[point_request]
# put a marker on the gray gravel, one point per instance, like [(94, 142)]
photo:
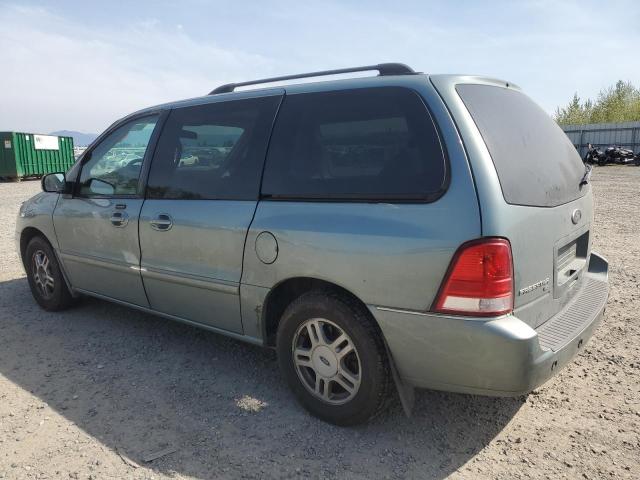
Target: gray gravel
[(92, 392)]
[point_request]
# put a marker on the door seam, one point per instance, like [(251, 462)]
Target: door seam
[(144, 287), (257, 204)]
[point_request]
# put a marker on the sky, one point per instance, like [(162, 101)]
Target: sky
[(80, 65)]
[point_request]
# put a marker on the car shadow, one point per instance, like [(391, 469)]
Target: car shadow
[(141, 384)]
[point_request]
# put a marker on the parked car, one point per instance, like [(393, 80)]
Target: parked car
[(407, 230)]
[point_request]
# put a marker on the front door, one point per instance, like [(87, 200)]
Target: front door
[(97, 226), (201, 196)]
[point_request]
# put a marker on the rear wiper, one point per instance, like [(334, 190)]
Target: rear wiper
[(587, 174)]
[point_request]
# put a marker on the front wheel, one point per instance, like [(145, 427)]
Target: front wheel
[(45, 276), (333, 358)]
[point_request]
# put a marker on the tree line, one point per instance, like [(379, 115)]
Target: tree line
[(619, 103)]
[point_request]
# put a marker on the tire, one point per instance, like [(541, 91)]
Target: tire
[(363, 367), (44, 275)]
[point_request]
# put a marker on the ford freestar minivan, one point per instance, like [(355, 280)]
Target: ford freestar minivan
[(394, 231)]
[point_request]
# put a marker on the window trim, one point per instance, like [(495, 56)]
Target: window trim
[(146, 160), (428, 197)]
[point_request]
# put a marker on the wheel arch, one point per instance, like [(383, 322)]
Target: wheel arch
[(286, 291), (27, 234)]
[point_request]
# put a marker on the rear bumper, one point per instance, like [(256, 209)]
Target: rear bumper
[(499, 357)]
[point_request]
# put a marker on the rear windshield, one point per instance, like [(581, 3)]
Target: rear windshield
[(536, 162)]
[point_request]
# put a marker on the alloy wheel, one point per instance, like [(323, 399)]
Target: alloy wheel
[(42, 275), (326, 361)]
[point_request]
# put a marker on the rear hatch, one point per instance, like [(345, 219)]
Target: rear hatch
[(537, 203)]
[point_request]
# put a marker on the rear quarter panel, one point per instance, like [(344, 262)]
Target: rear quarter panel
[(387, 254), (529, 229)]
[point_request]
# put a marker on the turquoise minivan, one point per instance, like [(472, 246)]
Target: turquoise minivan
[(382, 233)]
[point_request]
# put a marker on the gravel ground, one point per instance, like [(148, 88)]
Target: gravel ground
[(96, 391)]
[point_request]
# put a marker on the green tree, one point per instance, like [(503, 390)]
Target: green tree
[(573, 113), (619, 103)]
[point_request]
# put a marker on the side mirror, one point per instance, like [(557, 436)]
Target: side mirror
[(53, 183), (101, 187)]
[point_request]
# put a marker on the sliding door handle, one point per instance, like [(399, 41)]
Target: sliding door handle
[(162, 222)]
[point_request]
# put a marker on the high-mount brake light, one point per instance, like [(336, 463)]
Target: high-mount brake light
[(479, 281)]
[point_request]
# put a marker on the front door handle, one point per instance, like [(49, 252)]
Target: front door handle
[(119, 219), (162, 222)]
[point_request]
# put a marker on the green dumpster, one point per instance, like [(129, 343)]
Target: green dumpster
[(24, 155)]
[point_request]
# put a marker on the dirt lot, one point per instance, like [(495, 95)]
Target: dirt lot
[(91, 392)]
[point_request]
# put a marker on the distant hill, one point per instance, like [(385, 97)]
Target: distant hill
[(79, 139)]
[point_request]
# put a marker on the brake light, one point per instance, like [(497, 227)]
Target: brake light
[(479, 280)]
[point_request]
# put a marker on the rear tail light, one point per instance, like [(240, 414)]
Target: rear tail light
[(479, 281)]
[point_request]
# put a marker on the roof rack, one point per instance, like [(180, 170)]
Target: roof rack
[(382, 68)]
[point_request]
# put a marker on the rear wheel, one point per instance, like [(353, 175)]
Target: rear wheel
[(45, 277), (333, 358)]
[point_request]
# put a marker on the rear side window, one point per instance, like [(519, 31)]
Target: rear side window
[(369, 144), (213, 151), (537, 164)]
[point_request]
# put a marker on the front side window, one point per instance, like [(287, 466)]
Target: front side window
[(213, 151), (374, 143), (115, 164)]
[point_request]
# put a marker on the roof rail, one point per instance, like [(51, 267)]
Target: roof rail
[(382, 68)]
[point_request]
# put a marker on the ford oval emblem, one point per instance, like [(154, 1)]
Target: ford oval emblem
[(576, 216)]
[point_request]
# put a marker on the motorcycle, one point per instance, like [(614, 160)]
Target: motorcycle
[(619, 155), (595, 155), (637, 160)]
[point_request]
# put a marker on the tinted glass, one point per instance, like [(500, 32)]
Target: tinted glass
[(213, 151), (115, 163), (536, 162), (374, 143)]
